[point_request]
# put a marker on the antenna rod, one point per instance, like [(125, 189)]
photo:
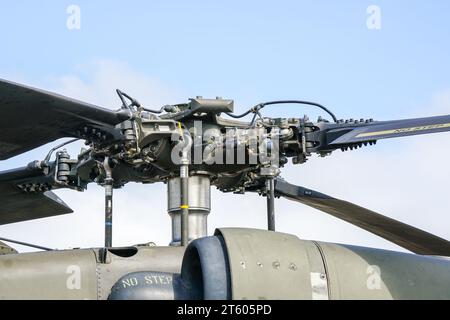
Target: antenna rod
[(270, 204), (27, 244), (108, 203)]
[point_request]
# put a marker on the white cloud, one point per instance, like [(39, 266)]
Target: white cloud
[(406, 179), (96, 82)]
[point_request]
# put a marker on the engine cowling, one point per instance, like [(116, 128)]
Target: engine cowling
[(239, 263)]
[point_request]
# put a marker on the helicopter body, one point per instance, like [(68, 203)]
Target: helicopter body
[(260, 265)]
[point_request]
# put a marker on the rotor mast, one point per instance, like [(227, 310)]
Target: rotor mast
[(199, 207)]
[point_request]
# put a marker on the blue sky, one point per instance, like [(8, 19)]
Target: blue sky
[(251, 51)]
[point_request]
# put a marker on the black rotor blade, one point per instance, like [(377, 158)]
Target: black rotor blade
[(18, 205), (31, 117), (392, 129), (404, 235)]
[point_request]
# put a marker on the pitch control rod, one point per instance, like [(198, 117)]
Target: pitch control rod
[(108, 185), (270, 186), (186, 140), (184, 182)]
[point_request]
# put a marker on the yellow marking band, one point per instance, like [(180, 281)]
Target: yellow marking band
[(403, 130), (180, 129), (184, 206)]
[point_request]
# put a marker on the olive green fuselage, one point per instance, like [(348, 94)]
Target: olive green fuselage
[(261, 265)]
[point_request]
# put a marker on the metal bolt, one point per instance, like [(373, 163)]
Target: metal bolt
[(259, 264), (276, 265), (243, 265), (292, 267)]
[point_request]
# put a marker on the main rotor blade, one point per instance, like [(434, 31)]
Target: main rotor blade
[(392, 129), (404, 235), (17, 204), (31, 117)]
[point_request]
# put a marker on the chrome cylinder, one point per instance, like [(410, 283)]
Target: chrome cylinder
[(199, 202)]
